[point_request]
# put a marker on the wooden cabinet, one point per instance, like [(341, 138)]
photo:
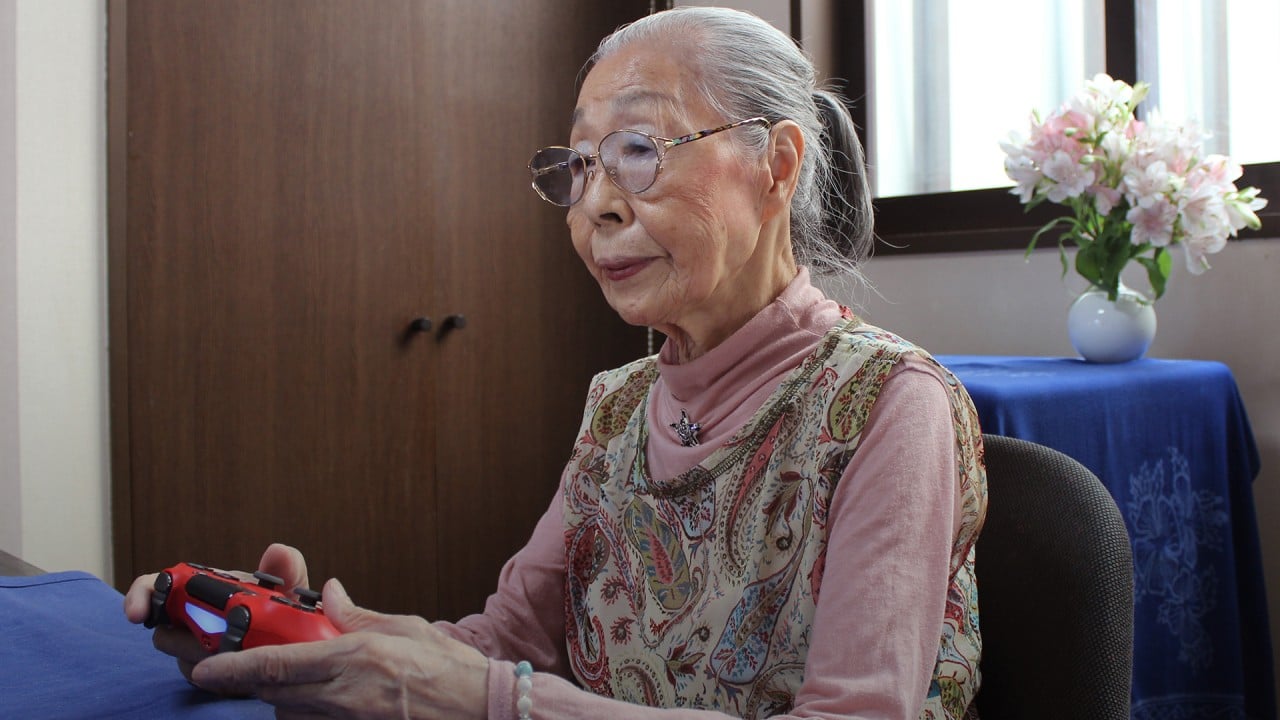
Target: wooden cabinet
[(291, 184)]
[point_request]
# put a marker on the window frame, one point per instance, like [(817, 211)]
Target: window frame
[(993, 218)]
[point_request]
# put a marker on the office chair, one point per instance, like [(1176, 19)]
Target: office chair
[(1055, 590)]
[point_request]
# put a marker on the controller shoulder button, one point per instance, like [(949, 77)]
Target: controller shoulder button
[(238, 620)]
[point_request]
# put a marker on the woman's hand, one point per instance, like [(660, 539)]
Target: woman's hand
[(391, 666), (282, 561)]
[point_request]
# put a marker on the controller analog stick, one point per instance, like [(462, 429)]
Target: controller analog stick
[(270, 582), (307, 596)]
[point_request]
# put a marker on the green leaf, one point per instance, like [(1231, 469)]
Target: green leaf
[(1035, 200), (1087, 264), (1113, 262), (1158, 269), (1047, 227)]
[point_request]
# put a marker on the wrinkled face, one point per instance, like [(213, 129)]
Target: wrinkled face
[(679, 254)]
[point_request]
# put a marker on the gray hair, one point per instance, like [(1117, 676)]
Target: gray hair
[(746, 67)]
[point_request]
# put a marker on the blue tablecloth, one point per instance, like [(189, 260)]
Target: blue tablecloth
[(66, 651), (1171, 440)]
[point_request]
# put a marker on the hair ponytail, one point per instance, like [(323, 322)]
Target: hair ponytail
[(846, 196)]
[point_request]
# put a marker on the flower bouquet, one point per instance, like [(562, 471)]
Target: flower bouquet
[(1133, 188)]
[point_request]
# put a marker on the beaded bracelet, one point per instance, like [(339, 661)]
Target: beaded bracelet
[(524, 685)]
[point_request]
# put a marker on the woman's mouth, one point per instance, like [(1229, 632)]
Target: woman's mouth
[(623, 268)]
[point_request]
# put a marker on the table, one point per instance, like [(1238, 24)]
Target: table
[(14, 565), (67, 651), (1171, 441)]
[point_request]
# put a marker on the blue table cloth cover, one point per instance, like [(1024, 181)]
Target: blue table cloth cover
[(67, 652), (1171, 441)]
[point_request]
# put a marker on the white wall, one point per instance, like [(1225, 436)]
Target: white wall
[(10, 481), (57, 318), (777, 12), (816, 18)]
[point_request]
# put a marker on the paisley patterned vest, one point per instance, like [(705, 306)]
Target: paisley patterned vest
[(700, 592)]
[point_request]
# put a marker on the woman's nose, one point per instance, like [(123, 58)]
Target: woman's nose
[(602, 201)]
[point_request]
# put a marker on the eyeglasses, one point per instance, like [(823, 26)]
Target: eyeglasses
[(630, 158)]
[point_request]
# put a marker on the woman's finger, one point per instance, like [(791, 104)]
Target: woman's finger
[(180, 643), (251, 671), (137, 602), (349, 617), (287, 563)]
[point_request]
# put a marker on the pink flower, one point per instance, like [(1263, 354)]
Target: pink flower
[(1142, 185), (1204, 214), (1152, 224), (1095, 157), (1061, 133), (1219, 170), (1070, 178), (1105, 198)]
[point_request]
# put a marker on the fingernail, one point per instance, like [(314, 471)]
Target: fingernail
[(339, 589)]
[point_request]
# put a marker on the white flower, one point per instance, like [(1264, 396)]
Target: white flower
[(1116, 147), (1070, 178), (1116, 91), (1144, 186), (1023, 171), (1176, 146), (1196, 247), (1242, 207), (1204, 212), (1104, 99)]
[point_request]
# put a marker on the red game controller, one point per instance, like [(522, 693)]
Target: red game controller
[(229, 614)]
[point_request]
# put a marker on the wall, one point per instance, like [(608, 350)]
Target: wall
[(10, 479), (57, 318), (816, 16)]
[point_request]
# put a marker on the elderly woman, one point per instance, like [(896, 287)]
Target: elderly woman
[(773, 517)]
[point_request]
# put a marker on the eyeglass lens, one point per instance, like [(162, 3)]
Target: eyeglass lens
[(629, 158)]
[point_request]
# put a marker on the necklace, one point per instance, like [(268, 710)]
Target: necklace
[(686, 429)]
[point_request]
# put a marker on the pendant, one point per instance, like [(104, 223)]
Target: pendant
[(687, 430)]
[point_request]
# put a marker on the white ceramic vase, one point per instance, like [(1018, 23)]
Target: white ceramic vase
[(1103, 331)]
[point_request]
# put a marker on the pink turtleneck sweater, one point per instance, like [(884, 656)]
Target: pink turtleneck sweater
[(894, 516)]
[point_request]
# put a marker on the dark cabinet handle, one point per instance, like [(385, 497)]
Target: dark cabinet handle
[(422, 324), (454, 322)]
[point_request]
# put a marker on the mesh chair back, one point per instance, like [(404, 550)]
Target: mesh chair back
[(1055, 590)]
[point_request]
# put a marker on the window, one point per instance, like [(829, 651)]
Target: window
[(948, 83), (1206, 60), (936, 86)]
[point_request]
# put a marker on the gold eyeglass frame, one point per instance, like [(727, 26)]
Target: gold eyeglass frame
[(660, 144)]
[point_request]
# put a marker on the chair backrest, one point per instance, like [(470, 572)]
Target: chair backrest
[(1055, 590)]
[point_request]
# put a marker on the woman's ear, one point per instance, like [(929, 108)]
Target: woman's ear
[(786, 152)]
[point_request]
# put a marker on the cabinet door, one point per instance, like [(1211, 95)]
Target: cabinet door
[(292, 183)]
